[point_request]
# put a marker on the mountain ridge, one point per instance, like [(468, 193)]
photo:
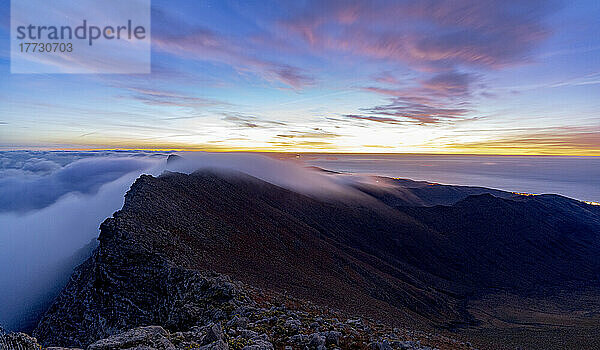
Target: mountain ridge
[(370, 257)]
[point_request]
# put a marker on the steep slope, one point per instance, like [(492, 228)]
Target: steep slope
[(404, 192), (363, 254), (520, 245), (255, 232)]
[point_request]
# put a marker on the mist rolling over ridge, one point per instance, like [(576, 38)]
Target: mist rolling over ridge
[(52, 203)]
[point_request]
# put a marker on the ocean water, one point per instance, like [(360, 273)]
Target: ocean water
[(575, 177)]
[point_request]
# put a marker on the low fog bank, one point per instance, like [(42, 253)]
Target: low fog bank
[(49, 210), (41, 182), (52, 203)]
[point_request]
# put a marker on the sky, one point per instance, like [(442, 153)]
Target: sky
[(462, 76)]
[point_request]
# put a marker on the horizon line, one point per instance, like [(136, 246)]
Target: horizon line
[(75, 149)]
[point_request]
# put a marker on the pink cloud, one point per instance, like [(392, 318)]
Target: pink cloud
[(427, 102), (374, 119), (428, 34), (449, 83)]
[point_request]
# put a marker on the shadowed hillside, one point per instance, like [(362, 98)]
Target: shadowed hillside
[(374, 254)]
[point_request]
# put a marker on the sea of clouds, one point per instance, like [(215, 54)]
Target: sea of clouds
[(51, 205)]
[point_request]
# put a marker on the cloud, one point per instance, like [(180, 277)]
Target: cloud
[(249, 121), (22, 191), (316, 133), (164, 97), (204, 44), (428, 34), (418, 112), (314, 138), (386, 78), (374, 119), (284, 173), (442, 39), (51, 205), (37, 165), (426, 103), (449, 84), (307, 144), (36, 249), (558, 140)]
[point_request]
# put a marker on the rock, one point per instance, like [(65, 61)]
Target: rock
[(195, 334), (214, 333), (354, 322), (22, 341), (18, 341), (247, 334), (332, 337), (262, 336), (384, 345), (299, 339), (292, 325), (406, 345), (217, 345), (151, 337), (238, 322), (316, 340), (259, 344)]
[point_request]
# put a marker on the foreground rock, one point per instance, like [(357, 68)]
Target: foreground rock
[(17, 341), (207, 310), (259, 328)]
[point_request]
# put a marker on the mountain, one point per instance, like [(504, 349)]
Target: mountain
[(448, 260)]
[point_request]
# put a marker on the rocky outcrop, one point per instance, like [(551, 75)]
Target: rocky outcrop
[(264, 328), (199, 310), (17, 341), (116, 290)]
